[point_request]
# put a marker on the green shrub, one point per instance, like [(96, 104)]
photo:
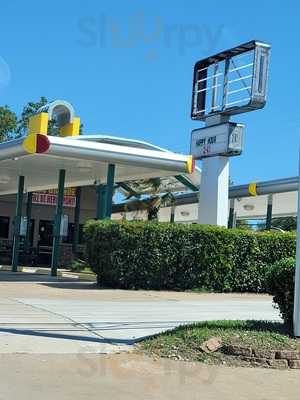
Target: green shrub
[(149, 255), (281, 283), (78, 265)]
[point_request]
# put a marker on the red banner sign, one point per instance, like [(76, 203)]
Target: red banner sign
[(49, 197)]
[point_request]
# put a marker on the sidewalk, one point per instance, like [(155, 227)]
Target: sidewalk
[(130, 377)]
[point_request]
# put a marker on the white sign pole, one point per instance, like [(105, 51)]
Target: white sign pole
[(297, 273), (213, 202)]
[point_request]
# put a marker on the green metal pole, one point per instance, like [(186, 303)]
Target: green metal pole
[(57, 222), (110, 189), (172, 218), (16, 243), (76, 220), (269, 213), (186, 182), (231, 214), (28, 215), (101, 201)]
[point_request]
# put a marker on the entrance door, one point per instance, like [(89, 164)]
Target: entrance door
[(44, 250), (45, 233)]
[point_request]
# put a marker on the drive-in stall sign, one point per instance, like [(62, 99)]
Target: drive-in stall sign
[(223, 139)]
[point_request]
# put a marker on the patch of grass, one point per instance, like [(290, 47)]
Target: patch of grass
[(87, 270), (184, 343), (80, 266)]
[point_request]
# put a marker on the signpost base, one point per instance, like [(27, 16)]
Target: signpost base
[(213, 204)]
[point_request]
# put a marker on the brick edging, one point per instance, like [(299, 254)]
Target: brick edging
[(279, 359)]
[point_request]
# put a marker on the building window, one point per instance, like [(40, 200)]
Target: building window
[(4, 227)]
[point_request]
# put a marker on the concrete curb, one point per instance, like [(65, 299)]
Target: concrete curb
[(46, 271)]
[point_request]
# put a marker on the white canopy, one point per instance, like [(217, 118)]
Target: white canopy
[(85, 163)]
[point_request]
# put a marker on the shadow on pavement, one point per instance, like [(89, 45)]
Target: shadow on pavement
[(59, 282), (72, 285), (6, 276), (55, 335)]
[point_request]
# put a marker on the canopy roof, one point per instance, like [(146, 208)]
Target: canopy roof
[(246, 206), (85, 161), (178, 183), (284, 204)]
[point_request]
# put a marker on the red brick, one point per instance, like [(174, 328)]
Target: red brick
[(288, 355), (270, 354), (256, 362), (239, 351), (278, 364), (294, 364), (211, 345)]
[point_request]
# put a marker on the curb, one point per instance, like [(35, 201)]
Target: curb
[(61, 274)]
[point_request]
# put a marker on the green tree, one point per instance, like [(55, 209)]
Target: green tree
[(152, 205), (8, 123), (28, 111), (165, 200)]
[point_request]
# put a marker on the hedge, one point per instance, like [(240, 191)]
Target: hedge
[(151, 255), (281, 284)]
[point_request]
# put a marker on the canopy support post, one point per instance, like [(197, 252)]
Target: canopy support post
[(269, 213), (231, 214), (17, 225), (101, 201), (76, 220), (172, 217), (28, 216), (57, 222), (110, 189)]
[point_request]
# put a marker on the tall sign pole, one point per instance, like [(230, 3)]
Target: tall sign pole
[(213, 202), (297, 274), (228, 83)]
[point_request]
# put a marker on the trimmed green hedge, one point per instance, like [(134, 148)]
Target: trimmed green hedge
[(281, 284), (149, 255)]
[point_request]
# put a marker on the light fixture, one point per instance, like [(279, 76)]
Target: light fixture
[(248, 207), (185, 213)]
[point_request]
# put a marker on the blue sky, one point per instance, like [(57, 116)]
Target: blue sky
[(127, 68)]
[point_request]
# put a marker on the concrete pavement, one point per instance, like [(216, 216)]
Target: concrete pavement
[(59, 338), (130, 376), (44, 315)]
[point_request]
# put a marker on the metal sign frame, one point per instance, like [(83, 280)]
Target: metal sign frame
[(222, 65)]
